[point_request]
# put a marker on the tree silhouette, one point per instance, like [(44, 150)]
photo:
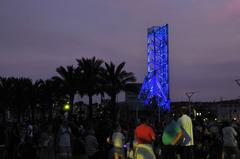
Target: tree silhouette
[(115, 80), (90, 69)]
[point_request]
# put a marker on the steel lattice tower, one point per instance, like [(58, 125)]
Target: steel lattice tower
[(156, 82)]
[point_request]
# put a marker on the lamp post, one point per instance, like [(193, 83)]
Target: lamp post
[(66, 108), (189, 96), (238, 82)]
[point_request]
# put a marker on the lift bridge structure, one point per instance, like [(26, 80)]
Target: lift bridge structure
[(156, 83)]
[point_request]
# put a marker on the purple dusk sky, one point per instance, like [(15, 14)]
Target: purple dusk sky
[(36, 37)]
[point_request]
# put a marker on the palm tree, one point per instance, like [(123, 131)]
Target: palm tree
[(6, 93), (21, 95), (31, 94), (50, 92), (115, 80), (68, 81), (90, 69)]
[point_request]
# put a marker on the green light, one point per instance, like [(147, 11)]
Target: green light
[(66, 107)]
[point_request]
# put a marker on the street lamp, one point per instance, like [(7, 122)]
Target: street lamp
[(66, 107), (238, 82), (189, 96)]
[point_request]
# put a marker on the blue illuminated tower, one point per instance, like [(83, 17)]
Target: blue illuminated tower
[(156, 83)]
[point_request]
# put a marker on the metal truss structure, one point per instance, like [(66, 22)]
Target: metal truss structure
[(156, 82)]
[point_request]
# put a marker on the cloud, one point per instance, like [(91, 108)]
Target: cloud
[(229, 10)]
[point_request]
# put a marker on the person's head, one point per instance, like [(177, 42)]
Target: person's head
[(50, 129), (118, 128), (183, 110), (226, 123), (91, 131), (144, 118), (28, 122), (65, 123)]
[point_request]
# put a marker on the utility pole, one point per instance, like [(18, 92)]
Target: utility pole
[(189, 96)]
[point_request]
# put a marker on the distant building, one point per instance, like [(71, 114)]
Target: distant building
[(229, 110), (222, 110)]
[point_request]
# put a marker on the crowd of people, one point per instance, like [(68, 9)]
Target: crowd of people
[(175, 137)]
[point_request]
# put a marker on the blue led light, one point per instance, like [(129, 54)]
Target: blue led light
[(156, 82)]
